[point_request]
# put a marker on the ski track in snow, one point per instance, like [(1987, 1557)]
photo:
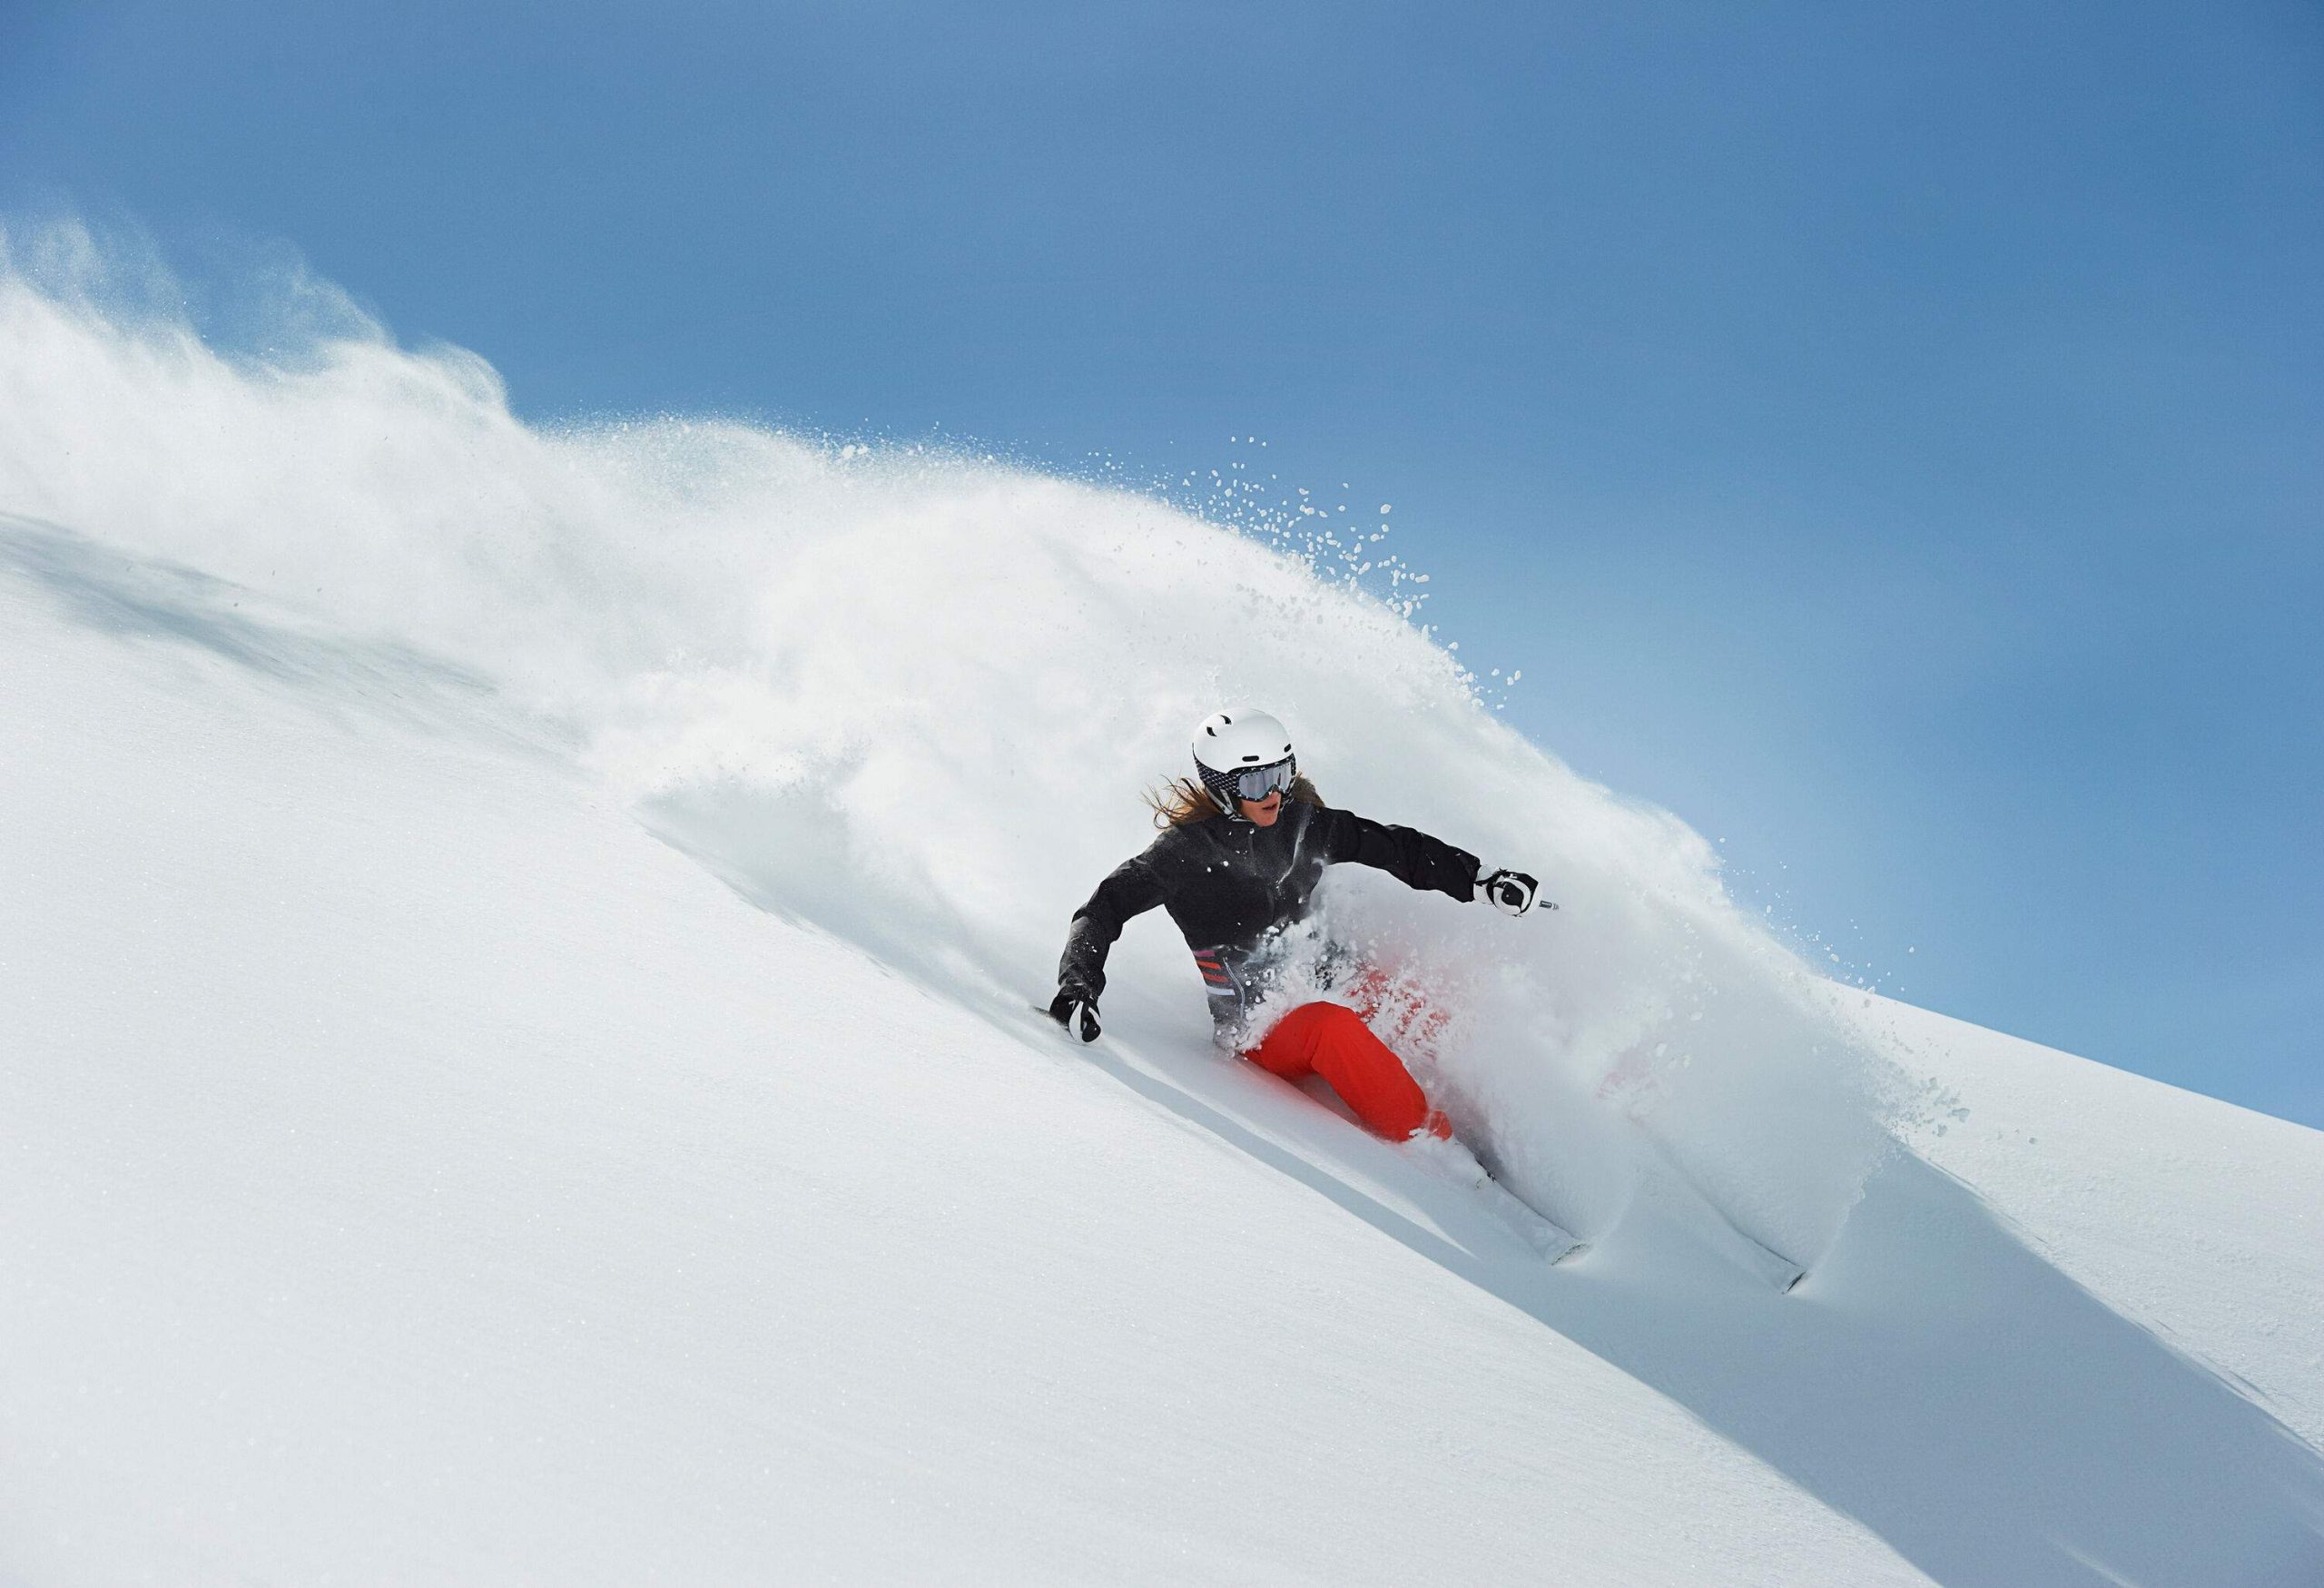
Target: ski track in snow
[(389, 1110)]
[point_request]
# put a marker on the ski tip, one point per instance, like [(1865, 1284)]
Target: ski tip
[(1572, 1252), (1792, 1284)]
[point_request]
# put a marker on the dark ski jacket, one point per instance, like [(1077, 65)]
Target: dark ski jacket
[(1231, 884)]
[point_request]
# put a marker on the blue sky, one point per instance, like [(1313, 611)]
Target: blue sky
[(1887, 436)]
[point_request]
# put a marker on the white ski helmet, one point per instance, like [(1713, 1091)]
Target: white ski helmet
[(1241, 753)]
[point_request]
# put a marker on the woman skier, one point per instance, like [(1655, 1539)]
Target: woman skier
[(1243, 844)]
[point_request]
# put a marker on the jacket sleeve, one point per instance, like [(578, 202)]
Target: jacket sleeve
[(1134, 888), (1406, 853)]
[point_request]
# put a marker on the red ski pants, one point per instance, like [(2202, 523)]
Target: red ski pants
[(1333, 1041)]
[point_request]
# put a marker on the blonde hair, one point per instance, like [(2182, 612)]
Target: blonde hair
[(1182, 802)]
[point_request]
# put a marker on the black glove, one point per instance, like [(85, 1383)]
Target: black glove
[(1511, 892), (1076, 1005)]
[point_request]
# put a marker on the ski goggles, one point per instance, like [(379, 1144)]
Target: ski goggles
[(1256, 783)]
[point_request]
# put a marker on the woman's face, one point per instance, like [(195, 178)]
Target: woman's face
[(1263, 813)]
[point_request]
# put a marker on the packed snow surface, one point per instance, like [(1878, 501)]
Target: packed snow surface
[(517, 1064)]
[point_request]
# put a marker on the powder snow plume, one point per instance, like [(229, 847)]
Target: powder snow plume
[(912, 698)]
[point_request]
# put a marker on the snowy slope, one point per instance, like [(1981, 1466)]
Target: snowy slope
[(2201, 1221), (515, 1069), (414, 1172)]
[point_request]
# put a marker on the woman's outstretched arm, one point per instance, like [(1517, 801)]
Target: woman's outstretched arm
[(1406, 853)]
